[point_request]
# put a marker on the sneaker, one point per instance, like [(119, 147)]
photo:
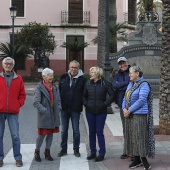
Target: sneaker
[(99, 158), (62, 153), (92, 156), (146, 165), (132, 158), (77, 153), (1, 163), (19, 163), (124, 156), (136, 163)]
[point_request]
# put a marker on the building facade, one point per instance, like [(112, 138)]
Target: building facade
[(69, 20)]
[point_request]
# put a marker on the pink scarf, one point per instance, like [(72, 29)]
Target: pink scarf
[(50, 91)]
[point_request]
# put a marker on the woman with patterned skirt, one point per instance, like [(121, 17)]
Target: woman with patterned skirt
[(137, 109)]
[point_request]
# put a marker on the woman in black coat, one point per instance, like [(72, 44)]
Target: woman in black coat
[(96, 102)]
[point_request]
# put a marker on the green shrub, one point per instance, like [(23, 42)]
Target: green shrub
[(30, 79), (87, 76)]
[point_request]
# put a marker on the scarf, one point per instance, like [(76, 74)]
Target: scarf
[(151, 140), (50, 91)]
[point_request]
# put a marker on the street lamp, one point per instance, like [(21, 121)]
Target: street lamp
[(13, 13)]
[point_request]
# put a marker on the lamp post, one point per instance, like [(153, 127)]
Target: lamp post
[(13, 13), (107, 67)]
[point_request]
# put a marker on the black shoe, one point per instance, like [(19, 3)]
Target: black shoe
[(92, 156), (124, 156), (62, 153), (99, 158), (145, 163), (1, 163), (77, 153), (136, 163), (132, 158)]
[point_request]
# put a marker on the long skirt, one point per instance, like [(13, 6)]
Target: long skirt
[(136, 135)]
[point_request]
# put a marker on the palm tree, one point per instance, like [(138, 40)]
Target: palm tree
[(117, 33), (20, 52), (164, 105), (75, 47), (101, 33)]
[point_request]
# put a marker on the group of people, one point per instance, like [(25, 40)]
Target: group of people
[(65, 101)]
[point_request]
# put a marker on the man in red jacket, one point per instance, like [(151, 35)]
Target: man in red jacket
[(12, 97)]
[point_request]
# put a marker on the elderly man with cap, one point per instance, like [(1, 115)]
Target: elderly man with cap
[(120, 83)]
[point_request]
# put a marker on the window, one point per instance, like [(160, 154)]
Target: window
[(75, 11), (20, 7)]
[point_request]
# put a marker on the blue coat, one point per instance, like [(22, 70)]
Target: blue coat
[(120, 83), (138, 99)]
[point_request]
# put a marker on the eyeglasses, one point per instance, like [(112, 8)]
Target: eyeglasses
[(75, 68), (9, 64)]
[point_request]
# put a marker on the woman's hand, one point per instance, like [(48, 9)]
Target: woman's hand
[(126, 113)]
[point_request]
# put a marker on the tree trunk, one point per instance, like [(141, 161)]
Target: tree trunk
[(164, 105), (132, 12), (101, 34), (101, 28)]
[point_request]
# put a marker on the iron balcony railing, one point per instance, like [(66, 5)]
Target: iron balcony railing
[(75, 17)]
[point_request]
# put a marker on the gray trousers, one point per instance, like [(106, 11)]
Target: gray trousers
[(39, 141)]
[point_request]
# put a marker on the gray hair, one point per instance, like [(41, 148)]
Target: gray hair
[(8, 58), (136, 69), (74, 61), (47, 71)]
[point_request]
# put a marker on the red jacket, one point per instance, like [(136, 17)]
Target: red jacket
[(12, 97)]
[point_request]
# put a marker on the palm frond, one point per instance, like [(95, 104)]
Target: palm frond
[(74, 46)]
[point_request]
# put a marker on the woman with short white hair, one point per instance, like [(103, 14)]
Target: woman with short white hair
[(48, 104)]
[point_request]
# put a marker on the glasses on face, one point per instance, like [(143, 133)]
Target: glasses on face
[(9, 64), (75, 68)]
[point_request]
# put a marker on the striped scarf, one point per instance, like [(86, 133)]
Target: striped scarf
[(151, 140)]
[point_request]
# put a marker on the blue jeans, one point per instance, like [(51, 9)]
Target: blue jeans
[(13, 124), (96, 126), (75, 118)]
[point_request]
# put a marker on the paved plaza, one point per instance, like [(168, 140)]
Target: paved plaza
[(114, 144)]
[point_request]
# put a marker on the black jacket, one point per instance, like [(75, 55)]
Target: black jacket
[(95, 96), (71, 97)]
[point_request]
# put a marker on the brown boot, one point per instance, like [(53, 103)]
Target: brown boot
[(47, 155), (37, 155)]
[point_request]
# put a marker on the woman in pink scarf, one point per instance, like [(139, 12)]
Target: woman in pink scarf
[(47, 102)]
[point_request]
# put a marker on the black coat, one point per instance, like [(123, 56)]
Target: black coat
[(95, 96), (72, 97)]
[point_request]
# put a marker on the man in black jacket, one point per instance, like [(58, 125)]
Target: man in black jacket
[(71, 87)]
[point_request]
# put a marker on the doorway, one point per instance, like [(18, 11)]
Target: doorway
[(75, 52)]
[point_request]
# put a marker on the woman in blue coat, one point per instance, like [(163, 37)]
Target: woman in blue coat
[(137, 109)]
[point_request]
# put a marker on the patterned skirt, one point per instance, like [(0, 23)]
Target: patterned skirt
[(42, 131), (136, 135)]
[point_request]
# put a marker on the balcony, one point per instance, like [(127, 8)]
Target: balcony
[(75, 18)]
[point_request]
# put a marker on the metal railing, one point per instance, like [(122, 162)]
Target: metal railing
[(75, 17)]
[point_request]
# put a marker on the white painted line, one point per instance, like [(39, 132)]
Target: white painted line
[(27, 151), (74, 163)]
